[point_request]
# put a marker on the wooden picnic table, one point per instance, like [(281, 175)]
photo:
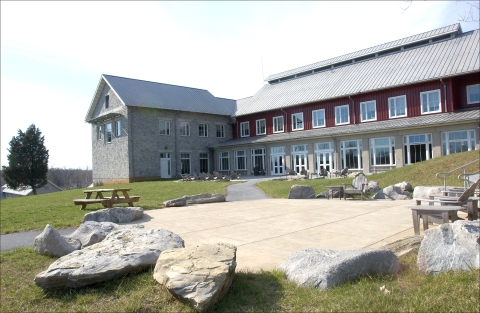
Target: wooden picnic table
[(330, 189), (426, 210), (106, 201)]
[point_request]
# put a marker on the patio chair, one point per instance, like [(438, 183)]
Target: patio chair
[(323, 172), (344, 172), (359, 187)]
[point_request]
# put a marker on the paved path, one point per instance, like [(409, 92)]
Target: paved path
[(25, 239), (246, 190)]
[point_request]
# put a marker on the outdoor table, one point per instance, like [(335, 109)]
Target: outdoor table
[(330, 189), (106, 201), (426, 210)]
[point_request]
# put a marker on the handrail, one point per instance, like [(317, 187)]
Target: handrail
[(467, 178), (445, 174)]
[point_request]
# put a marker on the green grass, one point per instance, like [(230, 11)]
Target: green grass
[(263, 291)]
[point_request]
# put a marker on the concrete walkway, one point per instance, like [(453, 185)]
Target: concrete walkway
[(246, 190)]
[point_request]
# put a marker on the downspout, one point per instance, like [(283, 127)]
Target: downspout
[(132, 144), (354, 111), (175, 141), (286, 120), (444, 94)]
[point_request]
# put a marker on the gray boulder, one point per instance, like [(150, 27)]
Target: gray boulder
[(392, 193), (324, 269), (205, 198), (424, 192), (450, 246), (121, 252), (175, 202), (405, 186), (301, 192), (373, 187), (199, 276), (51, 242), (89, 233), (115, 215)]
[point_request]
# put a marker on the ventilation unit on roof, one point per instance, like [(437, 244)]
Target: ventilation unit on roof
[(365, 57), (416, 44), (390, 51), (439, 38)]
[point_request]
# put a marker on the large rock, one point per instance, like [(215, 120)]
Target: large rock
[(115, 215), (121, 252), (450, 246), (89, 233), (51, 242), (405, 186), (392, 193), (373, 187), (301, 192), (424, 192), (205, 198), (175, 202), (199, 275), (328, 268)]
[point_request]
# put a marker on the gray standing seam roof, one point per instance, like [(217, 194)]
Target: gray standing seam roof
[(456, 56)]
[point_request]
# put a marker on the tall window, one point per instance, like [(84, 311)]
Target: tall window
[(397, 106), (430, 101), (225, 161), (278, 124), (185, 163), (297, 121), (240, 160), (417, 148), (99, 132), (118, 128), (341, 115), (203, 130), (368, 111), (220, 131), (458, 141), (261, 127), (245, 129), (203, 162), (351, 154), (108, 130), (258, 159), (382, 151), (473, 94), (184, 129), (318, 118), (107, 101), (164, 128)]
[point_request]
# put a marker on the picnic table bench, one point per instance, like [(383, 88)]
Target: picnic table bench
[(106, 201)]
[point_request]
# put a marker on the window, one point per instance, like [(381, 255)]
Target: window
[(108, 130), (220, 131), (382, 151), (473, 94), (240, 160), (203, 162), (318, 118), (261, 127), (341, 115), (323, 157), (397, 106), (107, 101), (165, 128), (430, 101), (278, 124), (458, 141), (297, 121), (351, 154), (203, 130), (225, 161), (368, 111), (258, 159), (184, 129), (417, 148), (118, 128), (99, 132), (185, 163), (245, 129)]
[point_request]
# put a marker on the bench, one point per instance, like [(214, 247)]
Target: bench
[(84, 202)]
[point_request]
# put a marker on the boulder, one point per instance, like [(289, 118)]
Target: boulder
[(89, 233), (205, 198), (373, 187), (176, 202), (121, 252), (51, 242), (301, 192), (424, 192), (199, 275), (324, 269), (115, 215), (392, 193), (405, 186), (450, 246), (404, 245)]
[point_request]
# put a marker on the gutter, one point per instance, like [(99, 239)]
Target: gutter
[(444, 95)]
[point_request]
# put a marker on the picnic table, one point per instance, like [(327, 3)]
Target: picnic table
[(330, 190), (426, 210), (108, 201)]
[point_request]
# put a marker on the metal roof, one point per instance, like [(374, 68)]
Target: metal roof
[(455, 28), (456, 56), (381, 126), (133, 92)]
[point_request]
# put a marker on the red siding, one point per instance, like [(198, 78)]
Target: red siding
[(460, 85)]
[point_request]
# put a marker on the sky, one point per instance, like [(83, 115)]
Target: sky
[(54, 53)]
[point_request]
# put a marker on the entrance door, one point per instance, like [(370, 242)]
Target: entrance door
[(165, 165), (299, 162), (324, 160), (278, 164)]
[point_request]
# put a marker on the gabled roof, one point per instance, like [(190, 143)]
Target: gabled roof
[(26, 191), (140, 93), (442, 59)]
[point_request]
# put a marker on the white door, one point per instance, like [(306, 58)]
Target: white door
[(165, 165), (299, 162), (277, 164), (324, 160)]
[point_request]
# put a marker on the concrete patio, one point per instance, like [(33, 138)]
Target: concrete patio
[(267, 231)]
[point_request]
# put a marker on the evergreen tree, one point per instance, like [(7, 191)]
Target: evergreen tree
[(27, 161)]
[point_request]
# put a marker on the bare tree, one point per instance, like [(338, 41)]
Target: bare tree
[(471, 16)]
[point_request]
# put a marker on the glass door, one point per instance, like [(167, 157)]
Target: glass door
[(165, 165)]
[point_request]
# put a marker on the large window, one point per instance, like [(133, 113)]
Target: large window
[(277, 160), (185, 163), (164, 128), (220, 130), (278, 124), (417, 148), (224, 161), (203, 130), (245, 129), (299, 157), (351, 154), (318, 118), (261, 127), (108, 130), (203, 162), (458, 141), (240, 160), (341, 115), (473, 94), (297, 121), (368, 111), (258, 159), (397, 106), (184, 129), (430, 101), (324, 157), (382, 151)]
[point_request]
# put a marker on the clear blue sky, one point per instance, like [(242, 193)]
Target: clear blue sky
[(53, 53)]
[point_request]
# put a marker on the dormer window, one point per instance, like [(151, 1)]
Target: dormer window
[(107, 98)]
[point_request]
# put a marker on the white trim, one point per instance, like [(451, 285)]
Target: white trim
[(283, 124), (395, 99), (439, 101), (264, 126), (339, 107), (247, 129), (361, 111), (468, 95), (294, 116), (313, 118)]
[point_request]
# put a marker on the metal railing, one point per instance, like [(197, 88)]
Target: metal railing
[(443, 175)]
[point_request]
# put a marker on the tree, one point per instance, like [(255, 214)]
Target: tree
[(27, 161)]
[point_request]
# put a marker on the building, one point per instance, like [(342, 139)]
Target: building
[(372, 110), (8, 193)]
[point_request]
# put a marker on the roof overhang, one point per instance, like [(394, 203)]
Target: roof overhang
[(104, 117)]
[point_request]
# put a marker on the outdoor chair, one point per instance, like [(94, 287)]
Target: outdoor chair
[(323, 172), (359, 187), (344, 172)]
